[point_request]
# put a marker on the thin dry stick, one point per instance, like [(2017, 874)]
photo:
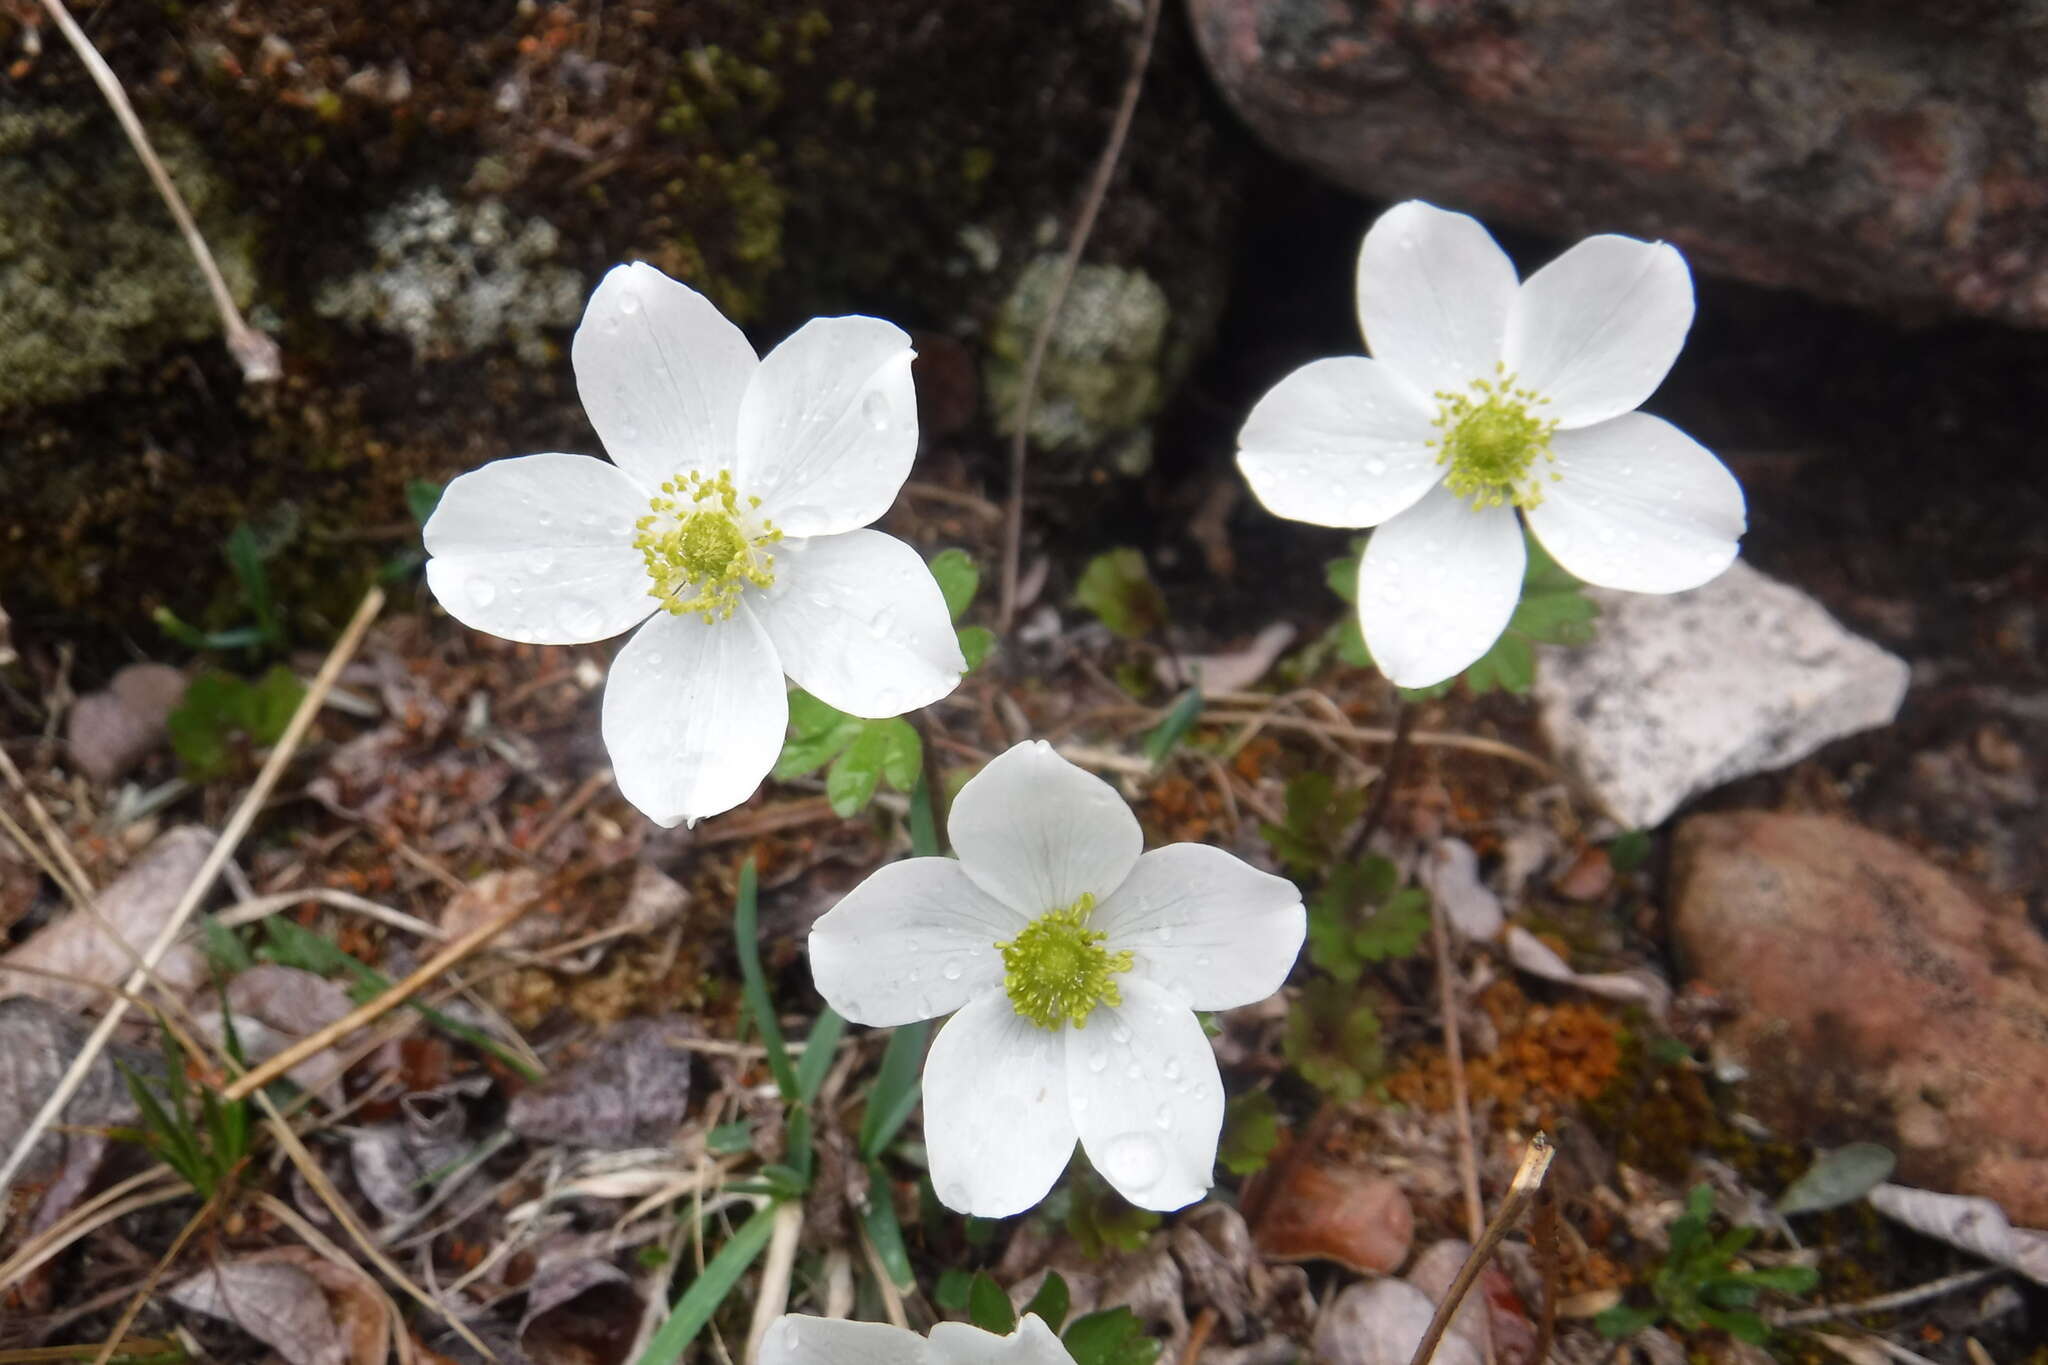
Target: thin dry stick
[(892, 1297), (371, 1010), (223, 849), (262, 907), (155, 1276), (1027, 392), (1543, 1236), (1198, 1336), (773, 1299), (1461, 1102), (1886, 1303), (73, 878), (253, 351), (1528, 1179), (109, 1206)]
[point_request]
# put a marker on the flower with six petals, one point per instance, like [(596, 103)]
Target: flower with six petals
[(1075, 963), (1483, 396), (731, 513)]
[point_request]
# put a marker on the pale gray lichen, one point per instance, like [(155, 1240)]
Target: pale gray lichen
[(453, 279), (93, 273), (1103, 376)]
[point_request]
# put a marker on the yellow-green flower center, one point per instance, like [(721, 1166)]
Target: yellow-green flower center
[(701, 549), (1057, 971), (1492, 439)]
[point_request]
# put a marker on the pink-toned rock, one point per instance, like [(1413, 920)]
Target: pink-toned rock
[(1878, 998), (113, 729), (1885, 154)]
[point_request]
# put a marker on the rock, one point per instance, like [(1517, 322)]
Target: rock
[(1328, 1211), (113, 729), (1381, 1322), (1889, 155), (1680, 694), (1879, 998)]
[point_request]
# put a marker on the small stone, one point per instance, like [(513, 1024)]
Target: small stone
[(113, 729), (1680, 694), (1381, 1322), (1326, 1211), (1879, 999)]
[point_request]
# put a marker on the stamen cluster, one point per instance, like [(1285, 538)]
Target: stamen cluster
[(1491, 440), (698, 551), (1057, 971)]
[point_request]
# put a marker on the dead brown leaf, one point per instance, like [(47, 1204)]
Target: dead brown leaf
[(306, 1308), (632, 1089)]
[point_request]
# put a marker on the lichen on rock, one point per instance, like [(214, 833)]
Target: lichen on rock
[(453, 279), (93, 273), (1103, 377)]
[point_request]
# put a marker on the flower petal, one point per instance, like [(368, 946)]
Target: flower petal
[(661, 373), (914, 941), (539, 549), (797, 1339), (1437, 585), (1033, 1343), (1433, 296), (1639, 505), (997, 1125), (1595, 331), (1147, 1097), (694, 715), (828, 427), (1037, 833), (859, 623), (1213, 930), (1342, 442)]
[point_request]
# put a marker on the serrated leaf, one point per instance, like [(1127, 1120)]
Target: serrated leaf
[(975, 644), (1251, 1130), (809, 717), (1117, 587), (1395, 928), (856, 773), (902, 752), (271, 702), (959, 577), (1111, 1337)]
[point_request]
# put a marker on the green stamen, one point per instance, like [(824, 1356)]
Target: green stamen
[(698, 553), (1492, 440), (1057, 971)]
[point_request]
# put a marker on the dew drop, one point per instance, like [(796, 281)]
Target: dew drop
[(1134, 1162), (629, 304), (1166, 933), (1171, 1070), (1120, 1032), (1375, 466), (1098, 1060), (482, 592), (1134, 1072), (1164, 1116), (952, 971), (875, 408)]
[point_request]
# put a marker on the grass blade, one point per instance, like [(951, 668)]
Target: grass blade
[(754, 986), (885, 1232), (708, 1291), (894, 1093), (924, 829), (817, 1058)]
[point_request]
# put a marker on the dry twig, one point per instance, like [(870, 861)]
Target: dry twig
[(1527, 1180)]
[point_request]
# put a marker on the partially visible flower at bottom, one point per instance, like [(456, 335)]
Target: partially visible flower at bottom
[(797, 1340), (1076, 964)]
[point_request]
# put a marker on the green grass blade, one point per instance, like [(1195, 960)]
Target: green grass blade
[(885, 1232), (817, 1058), (924, 829), (1180, 718), (894, 1093), (754, 986), (708, 1291)]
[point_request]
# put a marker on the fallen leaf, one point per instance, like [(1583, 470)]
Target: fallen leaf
[(1839, 1177), (1637, 987), (1976, 1225), (1322, 1210), (37, 1045), (1233, 671), (632, 1089), (580, 1311), (135, 905), (278, 1303), (496, 894), (654, 899), (113, 729), (1450, 872), (276, 1007)]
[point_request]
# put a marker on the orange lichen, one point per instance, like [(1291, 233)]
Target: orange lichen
[(1549, 1060)]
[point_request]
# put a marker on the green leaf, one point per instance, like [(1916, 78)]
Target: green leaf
[(1342, 574), (1180, 717), (894, 1092), (975, 644), (857, 772), (1839, 1177), (885, 1232), (205, 722), (225, 951), (1112, 1337), (1051, 1301), (1784, 1279), (1629, 851), (271, 703), (709, 1289), (729, 1137), (959, 576), (950, 1293), (817, 735), (1395, 928), (1119, 590), (1101, 1220), (1333, 1038), (924, 827), (817, 1058), (422, 496), (988, 1307), (1251, 1130), (902, 753), (1621, 1321), (754, 985), (245, 556), (1743, 1326)]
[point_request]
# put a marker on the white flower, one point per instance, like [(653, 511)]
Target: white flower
[(1076, 965), (797, 1340), (731, 514), (1483, 395)]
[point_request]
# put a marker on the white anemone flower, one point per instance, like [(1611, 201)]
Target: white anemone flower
[(731, 514), (1482, 396), (795, 1339), (1075, 964)]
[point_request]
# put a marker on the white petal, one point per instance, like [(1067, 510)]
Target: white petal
[(860, 624), (1639, 505), (795, 1339), (1147, 1097), (1433, 296), (540, 549), (1596, 330), (1033, 1343), (661, 373), (1209, 927), (828, 427), (1036, 832), (694, 715), (1437, 585), (997, 1125), (1340, 442), (914, 941)]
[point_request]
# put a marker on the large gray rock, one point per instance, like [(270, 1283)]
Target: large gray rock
[(1680, 694)]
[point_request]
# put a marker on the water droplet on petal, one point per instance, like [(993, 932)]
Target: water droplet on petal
[(1120, 1032), (1164, 1116), (629, 303), (482, 592), (875, 407), (1098, 1060), (1133, 1162), (952, 970)]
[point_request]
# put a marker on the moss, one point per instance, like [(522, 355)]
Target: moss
[(93, 273)]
